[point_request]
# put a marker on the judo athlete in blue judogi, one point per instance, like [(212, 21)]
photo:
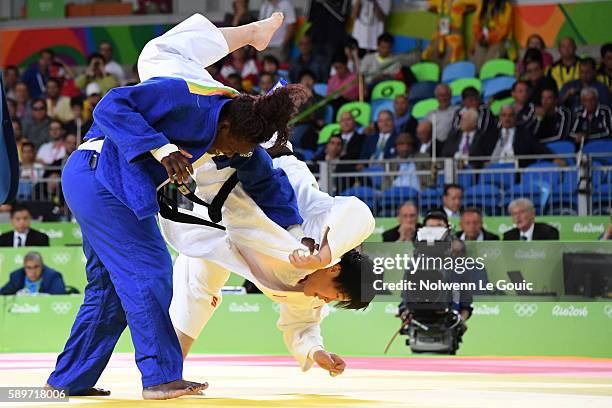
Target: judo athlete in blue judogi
[(142, 136)]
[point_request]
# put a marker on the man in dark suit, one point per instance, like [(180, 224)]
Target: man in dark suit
[(352, 140), (407, 217), (512, 140), (468, 140), (523, 216), (22, 235), (381, 144), (470, 99), (34, 278), (471, 227)]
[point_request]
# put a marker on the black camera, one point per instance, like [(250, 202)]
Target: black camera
[(429, 318)]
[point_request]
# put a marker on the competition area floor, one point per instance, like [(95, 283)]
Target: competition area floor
[(275, 381)]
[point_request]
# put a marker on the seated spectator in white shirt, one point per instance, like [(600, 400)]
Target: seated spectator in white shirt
[(442, 118), (380, 65), (369, 17), (22, 235), (471, 227), (523, 216), (112, 67), (53, 150), (451, 200)]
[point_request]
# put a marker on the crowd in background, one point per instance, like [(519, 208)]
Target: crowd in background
[(51, 103)]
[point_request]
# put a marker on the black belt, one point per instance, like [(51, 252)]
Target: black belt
[(168, 208)]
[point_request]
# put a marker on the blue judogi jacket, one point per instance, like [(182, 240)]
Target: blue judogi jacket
[(137, 119)]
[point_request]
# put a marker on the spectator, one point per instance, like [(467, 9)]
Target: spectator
[(22, 98), (280, 43), (307, 60), (380, 65), (466, 141), (604, 73), (36, 76), (537, 81), (404, 122), (22, 235), (80, 124), (11, 106), (94, 96), (523, 216), (407, 177), (30, 171), (407, 219), (10, 76), (343, 77), (424, 134), (305, 132), (534, 42), (381, 144), (53, 150), (446, 45), (591, 120), (570, 93), (352, 139), (513, 140), (470, 99), (18, 133), (70, 144), (567, 68), (492, 25), (235, 81), (471, 227), (369, 17), (240, 62), (58, 106), (50, 191), (105, 49), (65, 75), (607, 235), (333, 150), (328, 20), (96, 73), (442, 118), (36, 128), (552, 121), (525, 110), (35, 277), (270, 66), (241, 14), (266, 83), (451, 200)]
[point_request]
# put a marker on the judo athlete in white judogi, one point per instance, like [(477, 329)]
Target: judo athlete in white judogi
[(253, 246)]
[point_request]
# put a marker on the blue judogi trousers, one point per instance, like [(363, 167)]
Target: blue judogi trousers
[(129, 275)]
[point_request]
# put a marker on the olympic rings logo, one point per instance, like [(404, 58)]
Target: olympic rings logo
[(61, 307), (525, 309), (61, 258)]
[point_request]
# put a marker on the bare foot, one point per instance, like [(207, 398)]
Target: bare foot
[(173, 389), (265, 29), (89, 392)]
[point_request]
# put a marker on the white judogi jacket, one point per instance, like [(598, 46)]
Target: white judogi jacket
[(252, 246)]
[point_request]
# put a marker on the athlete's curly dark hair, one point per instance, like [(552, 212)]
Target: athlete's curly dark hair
[(256, 118)]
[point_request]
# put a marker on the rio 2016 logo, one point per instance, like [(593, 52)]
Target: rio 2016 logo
[(525, 309)]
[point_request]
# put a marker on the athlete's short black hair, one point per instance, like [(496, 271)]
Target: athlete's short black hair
[(356, 280)]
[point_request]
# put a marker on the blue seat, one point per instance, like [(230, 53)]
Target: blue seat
[(561, 147), (502, 179), (492, 86), (466, 179), (308, 155), (421, 90), (430, 198), (283, 73), (375, 179), (600, 146), (600, 175), (551, 177), (320, 89), (602, 199), (329, 114), (380, 105), (487, 197), (366, 194), (564, 194), (392, 198), (458, 70), (537, 191)]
